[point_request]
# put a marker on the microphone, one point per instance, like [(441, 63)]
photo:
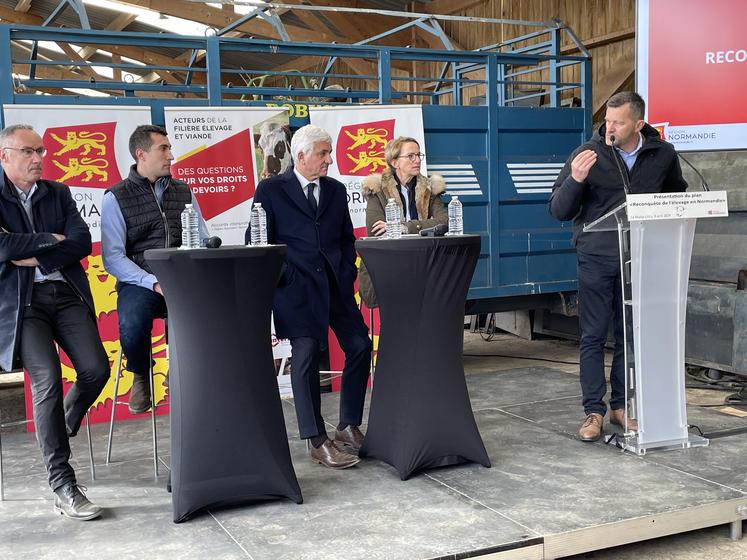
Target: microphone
[(616, 157), (703, 183), (439, 230), (212, 242)]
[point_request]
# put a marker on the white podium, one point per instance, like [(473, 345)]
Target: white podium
[(655, 254)]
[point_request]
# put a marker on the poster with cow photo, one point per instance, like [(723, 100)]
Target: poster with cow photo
[(222, 153)]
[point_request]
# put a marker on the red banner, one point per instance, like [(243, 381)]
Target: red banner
[(81, 155), (221, 175), (360, 147), (696, 72)]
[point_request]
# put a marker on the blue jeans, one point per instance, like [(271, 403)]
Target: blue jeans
[(600, 299), (137, 307)]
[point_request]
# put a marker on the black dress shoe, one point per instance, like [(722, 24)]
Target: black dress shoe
[(71, 502), (350, 436), (139, 394), (329, 455)]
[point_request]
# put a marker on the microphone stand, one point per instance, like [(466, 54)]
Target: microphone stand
[(623, 238)]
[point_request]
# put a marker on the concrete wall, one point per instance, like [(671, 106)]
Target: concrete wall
[(723, 171)]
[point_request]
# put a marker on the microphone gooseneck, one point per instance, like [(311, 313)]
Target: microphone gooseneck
[(703, 183), (616, 157)]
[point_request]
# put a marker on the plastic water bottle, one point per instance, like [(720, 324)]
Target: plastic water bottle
[(258, 222), (393, 219), (456, 222), (190, 228)]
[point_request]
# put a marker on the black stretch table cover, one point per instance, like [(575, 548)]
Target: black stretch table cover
[(421, 416), (228, 438)]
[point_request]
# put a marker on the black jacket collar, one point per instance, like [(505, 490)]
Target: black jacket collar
[(8, 189)]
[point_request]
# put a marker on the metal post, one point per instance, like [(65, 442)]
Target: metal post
[(115, 402), (6, 70), (555, 68), (2, 485), (385, 76), (90, 447), (735, 530), (212, 63), (153, 418)]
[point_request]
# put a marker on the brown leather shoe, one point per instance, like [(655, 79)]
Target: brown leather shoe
[(618, 417), (140, 394), (591, 429), (329, 455), (350, 436)]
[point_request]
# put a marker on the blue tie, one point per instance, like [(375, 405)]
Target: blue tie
[(312, 200)]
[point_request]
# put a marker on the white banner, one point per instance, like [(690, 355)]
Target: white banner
[(670, 206), (222, 153), (359, 135), (87, 148)]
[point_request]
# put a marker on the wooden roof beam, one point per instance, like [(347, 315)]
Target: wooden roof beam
[(75, 57), (21, 18), (612, 82), (23, 6), (117, 24), (219, 18), (601, 40), (448, 7)]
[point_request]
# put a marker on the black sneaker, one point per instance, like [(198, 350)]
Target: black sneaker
[(71, 502)]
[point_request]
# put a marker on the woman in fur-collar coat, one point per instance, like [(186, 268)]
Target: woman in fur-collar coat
[(418, 197)]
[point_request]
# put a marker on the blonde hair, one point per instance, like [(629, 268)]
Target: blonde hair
[(394, 149)]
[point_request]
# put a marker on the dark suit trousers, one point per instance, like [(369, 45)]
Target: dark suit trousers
[(600, 299), (57, 314), (352, 334)]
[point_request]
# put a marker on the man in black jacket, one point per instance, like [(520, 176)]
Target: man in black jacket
[(590, 185), (45, 299)]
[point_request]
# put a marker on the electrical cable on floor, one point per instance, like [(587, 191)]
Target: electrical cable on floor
[(737, 399), (729, 380), (711, 388), (522, 358), (614, 439), (726, 433)]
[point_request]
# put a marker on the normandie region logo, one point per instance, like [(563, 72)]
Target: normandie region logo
[(661, 129), (360, 147), (81, 156)]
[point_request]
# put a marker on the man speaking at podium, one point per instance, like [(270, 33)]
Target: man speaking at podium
[(625, 155)]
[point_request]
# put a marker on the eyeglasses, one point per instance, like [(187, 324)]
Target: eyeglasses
[(28, 152), (413, 157)]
